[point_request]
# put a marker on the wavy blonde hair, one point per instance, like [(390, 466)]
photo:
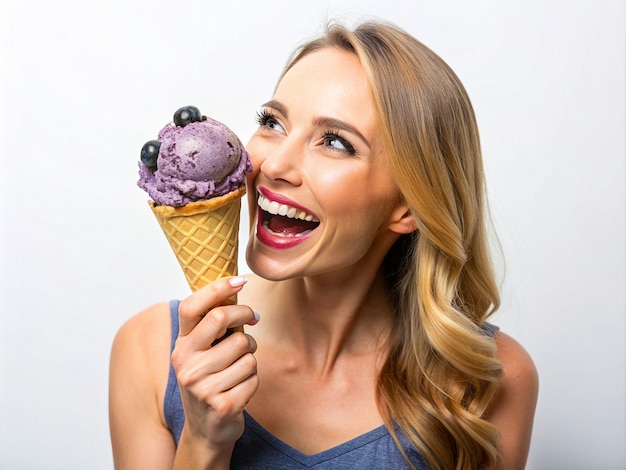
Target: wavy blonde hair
[(441, 373)]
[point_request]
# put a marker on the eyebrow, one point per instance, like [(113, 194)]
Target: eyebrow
[(277, 105), (321, 121), (337, 124)]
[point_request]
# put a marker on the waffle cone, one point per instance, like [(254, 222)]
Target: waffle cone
[(204, 236)]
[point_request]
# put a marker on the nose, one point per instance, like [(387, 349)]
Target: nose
[(283, 162)]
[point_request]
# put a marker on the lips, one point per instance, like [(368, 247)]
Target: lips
[(282, 222)]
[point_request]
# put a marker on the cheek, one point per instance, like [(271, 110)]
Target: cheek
[(363, 194), (254, 151), (355, 218)]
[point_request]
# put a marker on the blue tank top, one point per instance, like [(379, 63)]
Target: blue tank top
[(257, 448)]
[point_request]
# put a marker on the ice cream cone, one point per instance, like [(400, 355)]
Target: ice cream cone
[(204, 236)]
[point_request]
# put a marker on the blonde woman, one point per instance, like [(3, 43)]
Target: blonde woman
[(371, 349)]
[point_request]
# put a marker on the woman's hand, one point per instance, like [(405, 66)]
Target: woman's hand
[(216, 381)]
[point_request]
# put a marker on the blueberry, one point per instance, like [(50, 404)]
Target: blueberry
[(187, 115), (149, 153)]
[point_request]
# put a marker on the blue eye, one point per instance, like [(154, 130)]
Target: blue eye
[(266, 119), (336, 142)]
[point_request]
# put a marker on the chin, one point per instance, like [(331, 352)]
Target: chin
[(266, 266), (279, 258)]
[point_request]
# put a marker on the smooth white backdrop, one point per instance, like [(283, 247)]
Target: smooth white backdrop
[(85, 84)]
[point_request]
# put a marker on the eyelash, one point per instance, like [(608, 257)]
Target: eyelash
[(336, 135), (265, 117)]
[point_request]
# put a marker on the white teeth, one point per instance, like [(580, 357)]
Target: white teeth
[(276, 208)]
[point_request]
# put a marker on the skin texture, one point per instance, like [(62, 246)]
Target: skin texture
[(350, 194), (307, 371), (514, 409)]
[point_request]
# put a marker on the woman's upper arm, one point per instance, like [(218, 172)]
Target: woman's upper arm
[(137, 381), (514, 408)]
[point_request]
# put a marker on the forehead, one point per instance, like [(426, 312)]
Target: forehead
[(328, 81)]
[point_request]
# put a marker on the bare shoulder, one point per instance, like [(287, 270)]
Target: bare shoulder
[(141, 350), (514, 407), (145, 332), (515, 360), (138, 375)]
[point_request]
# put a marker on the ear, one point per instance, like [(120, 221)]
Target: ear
[(402, 221)]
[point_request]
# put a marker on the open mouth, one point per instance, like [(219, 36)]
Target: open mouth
[(283, 220)]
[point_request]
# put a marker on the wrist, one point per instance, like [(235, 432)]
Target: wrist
[(201, 454)]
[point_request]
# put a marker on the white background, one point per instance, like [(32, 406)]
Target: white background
[(85, 84)]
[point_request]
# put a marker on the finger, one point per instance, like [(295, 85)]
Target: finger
[(234, 329), (192, 309), (215, 324), (194, 369), (236, 398), (213, 386)]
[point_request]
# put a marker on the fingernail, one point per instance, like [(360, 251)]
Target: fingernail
[(237, 281), (257, 315)]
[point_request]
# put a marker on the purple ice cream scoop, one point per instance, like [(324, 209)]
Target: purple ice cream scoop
[(197, 160)]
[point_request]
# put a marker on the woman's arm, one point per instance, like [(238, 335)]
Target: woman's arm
[(514, 408), (139, 368), (216, 382)]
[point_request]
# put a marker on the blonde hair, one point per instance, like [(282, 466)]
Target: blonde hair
[(441, 373)]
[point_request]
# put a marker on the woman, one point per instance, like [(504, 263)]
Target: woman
[(373, 350)]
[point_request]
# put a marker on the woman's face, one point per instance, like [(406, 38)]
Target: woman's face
[(321, 193)]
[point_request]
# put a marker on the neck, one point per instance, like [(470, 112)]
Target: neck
[(326, 317)]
